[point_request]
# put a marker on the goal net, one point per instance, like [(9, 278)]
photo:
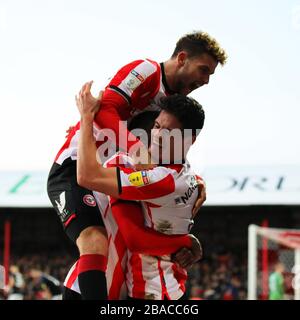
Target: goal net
[(273, 263)]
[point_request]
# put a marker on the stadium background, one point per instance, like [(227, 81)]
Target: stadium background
[(237, 197)]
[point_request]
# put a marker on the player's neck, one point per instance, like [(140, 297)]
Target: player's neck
[(169, 69)]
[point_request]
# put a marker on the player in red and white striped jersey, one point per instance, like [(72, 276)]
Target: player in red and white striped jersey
[(169, 193), (130, 226), (140, 84), (133, 89), (138, 240)]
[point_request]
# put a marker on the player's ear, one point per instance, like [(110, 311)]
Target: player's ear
[(181, 58)]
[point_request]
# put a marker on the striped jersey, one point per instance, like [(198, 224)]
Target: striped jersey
[(117, 251), (136, 87), (168, 194)]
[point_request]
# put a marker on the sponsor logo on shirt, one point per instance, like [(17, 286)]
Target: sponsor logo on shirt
[(138, 75), (139, 178), (145, 177), (89, 200), (193, 186)]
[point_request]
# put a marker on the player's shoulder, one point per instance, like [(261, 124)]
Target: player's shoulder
[(160, 176), (143, 67), (161, 172), (145, 62), (177, 170), (180, 172), (188, 169)]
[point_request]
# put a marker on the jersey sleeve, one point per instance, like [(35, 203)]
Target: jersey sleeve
[(141, 239), (146, 184), (125, 90)]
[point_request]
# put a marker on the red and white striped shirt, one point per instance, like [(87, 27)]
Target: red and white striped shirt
[(117, 250), (170, 193), (117, 258), (136, 87)]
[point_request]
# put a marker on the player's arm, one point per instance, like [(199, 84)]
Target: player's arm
[(124, 90), (112, 181), (90, 173), (109, 117), (116, 182), (140, 239), (201, 195)]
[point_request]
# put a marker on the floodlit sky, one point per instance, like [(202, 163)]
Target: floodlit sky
[(48, 49)]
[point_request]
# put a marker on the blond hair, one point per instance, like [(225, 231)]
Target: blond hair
[(199, 42)]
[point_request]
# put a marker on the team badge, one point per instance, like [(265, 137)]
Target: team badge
[(89, 200), (139, 178)]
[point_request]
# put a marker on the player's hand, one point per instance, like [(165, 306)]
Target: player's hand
[(187, 257), (87, 105), (201, 198)]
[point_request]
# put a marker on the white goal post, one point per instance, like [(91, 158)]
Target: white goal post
[(266, 247)]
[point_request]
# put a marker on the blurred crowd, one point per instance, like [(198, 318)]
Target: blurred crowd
[(40, 277), (220, 276), (36, 277)]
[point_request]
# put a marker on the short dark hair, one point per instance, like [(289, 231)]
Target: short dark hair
[(199, 42), (187, 111), (144, 120)]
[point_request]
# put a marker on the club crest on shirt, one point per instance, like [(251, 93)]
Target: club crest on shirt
[(89, 200), (139, 178)]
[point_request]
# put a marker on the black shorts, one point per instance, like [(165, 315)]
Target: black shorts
[(75, 205), (69, 294)]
